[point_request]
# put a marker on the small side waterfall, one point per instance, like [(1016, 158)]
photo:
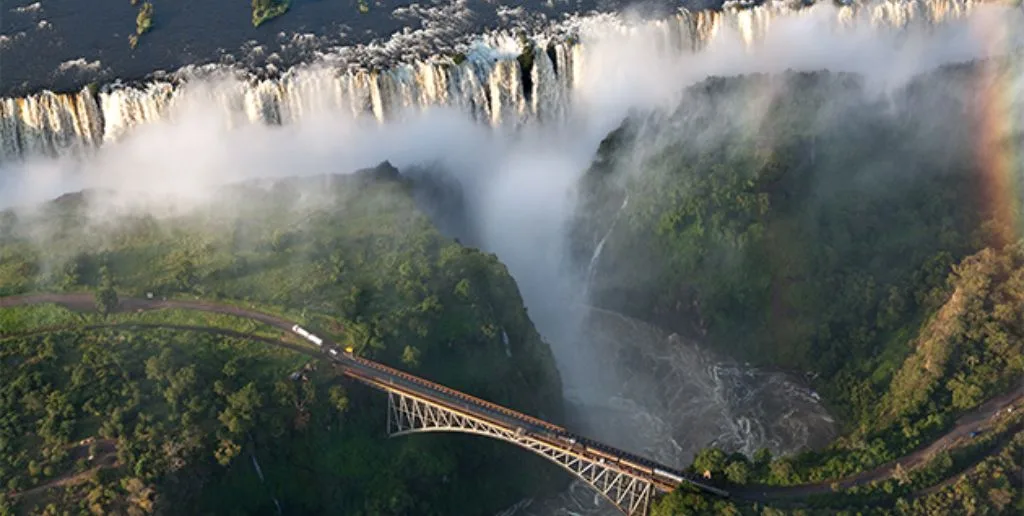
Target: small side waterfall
[(259, 471), (592, 266)]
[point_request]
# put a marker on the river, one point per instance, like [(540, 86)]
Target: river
[(666, 398), (517, 144)]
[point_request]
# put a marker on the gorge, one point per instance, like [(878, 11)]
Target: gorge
[(571, 148)]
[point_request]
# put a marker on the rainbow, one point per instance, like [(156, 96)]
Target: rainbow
[(998, 142)]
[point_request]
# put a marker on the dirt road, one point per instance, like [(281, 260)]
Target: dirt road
[(974, 421), (86, 301)]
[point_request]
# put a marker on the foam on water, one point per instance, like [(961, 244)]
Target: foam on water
[(516, 119), (482, 75)]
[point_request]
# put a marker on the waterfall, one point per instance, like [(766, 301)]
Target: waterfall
[(49, 124), (592, 267), (259, 472), (491, 80)]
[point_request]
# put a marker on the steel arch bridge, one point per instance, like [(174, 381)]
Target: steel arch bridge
[(631, 493), (416, 405)]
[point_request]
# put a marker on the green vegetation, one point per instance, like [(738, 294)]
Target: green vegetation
[(798, 221), (176, 417), (977, 478), (909, 483), (29, 319), (159, 406), (266, 10), (143, 22), (992, 487), (527, 48)]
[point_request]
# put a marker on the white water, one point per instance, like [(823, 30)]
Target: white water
[(489, 85), (595, 259), (695, 399), (517, 151)]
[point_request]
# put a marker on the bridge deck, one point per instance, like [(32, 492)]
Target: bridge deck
[(453, 394), (588, 459), (386, 378)]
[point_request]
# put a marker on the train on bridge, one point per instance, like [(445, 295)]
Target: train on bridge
[(523, 424), (608, 455)]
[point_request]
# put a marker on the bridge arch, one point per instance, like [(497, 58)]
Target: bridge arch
[(628, 492)]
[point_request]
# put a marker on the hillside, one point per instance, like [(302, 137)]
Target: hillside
[(810, 222), (969, 350), (799, 220), (137, 421)]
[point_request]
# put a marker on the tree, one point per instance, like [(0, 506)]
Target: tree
[(681, 501), (241, 410), (140, 496), (226, 451), (462, 289), (782, 472), (411, 356), (179, 384), (106, 277), (72, 273), (737, 472), (762, 458), (106, 300), (709, 459), (185, 275), (338, 397)]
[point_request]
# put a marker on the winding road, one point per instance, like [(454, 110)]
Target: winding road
[(86, 301), (572, 448), (976, 420)]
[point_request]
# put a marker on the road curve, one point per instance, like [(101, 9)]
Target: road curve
[(86, 301), (366, 371), (83, 301), (165, 326), (973, 421)]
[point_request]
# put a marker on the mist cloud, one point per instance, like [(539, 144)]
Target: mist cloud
[(622, 68), (625, 66), (519, 183)]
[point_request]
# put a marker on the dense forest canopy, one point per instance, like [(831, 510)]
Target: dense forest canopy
[(131, 420), (812, 221), (809, 221), (800, 220)]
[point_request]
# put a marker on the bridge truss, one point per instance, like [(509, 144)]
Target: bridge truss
[(630, 493)]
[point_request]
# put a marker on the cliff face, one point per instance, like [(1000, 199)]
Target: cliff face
[(803, 219), (476, 73), (809, 220), (349, 256)]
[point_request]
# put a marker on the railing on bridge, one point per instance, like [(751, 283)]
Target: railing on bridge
[(418, 405), (629, 492)]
